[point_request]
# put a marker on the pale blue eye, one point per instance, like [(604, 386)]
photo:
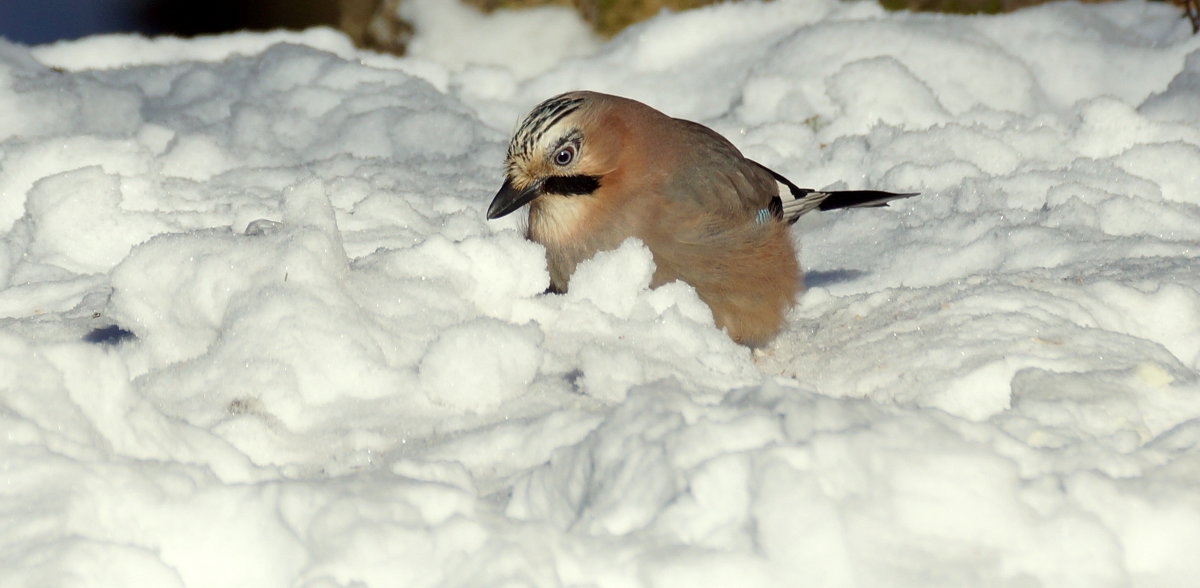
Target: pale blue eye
[(565, 155)]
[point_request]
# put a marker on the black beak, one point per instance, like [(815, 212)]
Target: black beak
[(509, 199)]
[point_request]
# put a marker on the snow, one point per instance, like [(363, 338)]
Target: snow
[(341, 374)]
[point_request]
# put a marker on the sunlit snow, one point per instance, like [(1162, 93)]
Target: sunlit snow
[(323, 367)]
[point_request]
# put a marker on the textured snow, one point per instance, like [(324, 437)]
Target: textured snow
[(341, 374)]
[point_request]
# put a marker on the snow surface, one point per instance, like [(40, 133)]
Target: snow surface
[(343, 375)]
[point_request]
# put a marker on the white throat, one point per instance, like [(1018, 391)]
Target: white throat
[(556, 220)]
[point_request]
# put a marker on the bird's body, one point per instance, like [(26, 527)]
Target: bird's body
[(598, 169)]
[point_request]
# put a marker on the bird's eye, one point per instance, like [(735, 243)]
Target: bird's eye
[(565, 155)]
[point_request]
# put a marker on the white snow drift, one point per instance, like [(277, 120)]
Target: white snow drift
[(340, 373)]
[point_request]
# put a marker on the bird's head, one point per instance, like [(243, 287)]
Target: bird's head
[(563, 148)]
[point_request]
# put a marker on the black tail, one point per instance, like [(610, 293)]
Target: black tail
[(860, 199), (804, 200)]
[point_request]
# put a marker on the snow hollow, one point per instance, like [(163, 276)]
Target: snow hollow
[(322, 367)]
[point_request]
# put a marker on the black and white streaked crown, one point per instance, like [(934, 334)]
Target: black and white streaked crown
[(541, 119)]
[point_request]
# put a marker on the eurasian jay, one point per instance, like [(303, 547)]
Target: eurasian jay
[(597, 169)]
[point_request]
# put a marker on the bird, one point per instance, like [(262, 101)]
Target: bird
[(596, 169)]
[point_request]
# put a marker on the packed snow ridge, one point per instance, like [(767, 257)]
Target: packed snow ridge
[(323, 367)]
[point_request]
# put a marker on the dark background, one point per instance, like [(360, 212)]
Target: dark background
[(34, 22)]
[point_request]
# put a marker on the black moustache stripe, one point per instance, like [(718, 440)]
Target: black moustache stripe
[(570, 185)]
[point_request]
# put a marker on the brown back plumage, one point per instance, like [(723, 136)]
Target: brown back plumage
[(598, 169)]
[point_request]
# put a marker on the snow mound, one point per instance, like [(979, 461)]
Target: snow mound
[(333, 371)]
